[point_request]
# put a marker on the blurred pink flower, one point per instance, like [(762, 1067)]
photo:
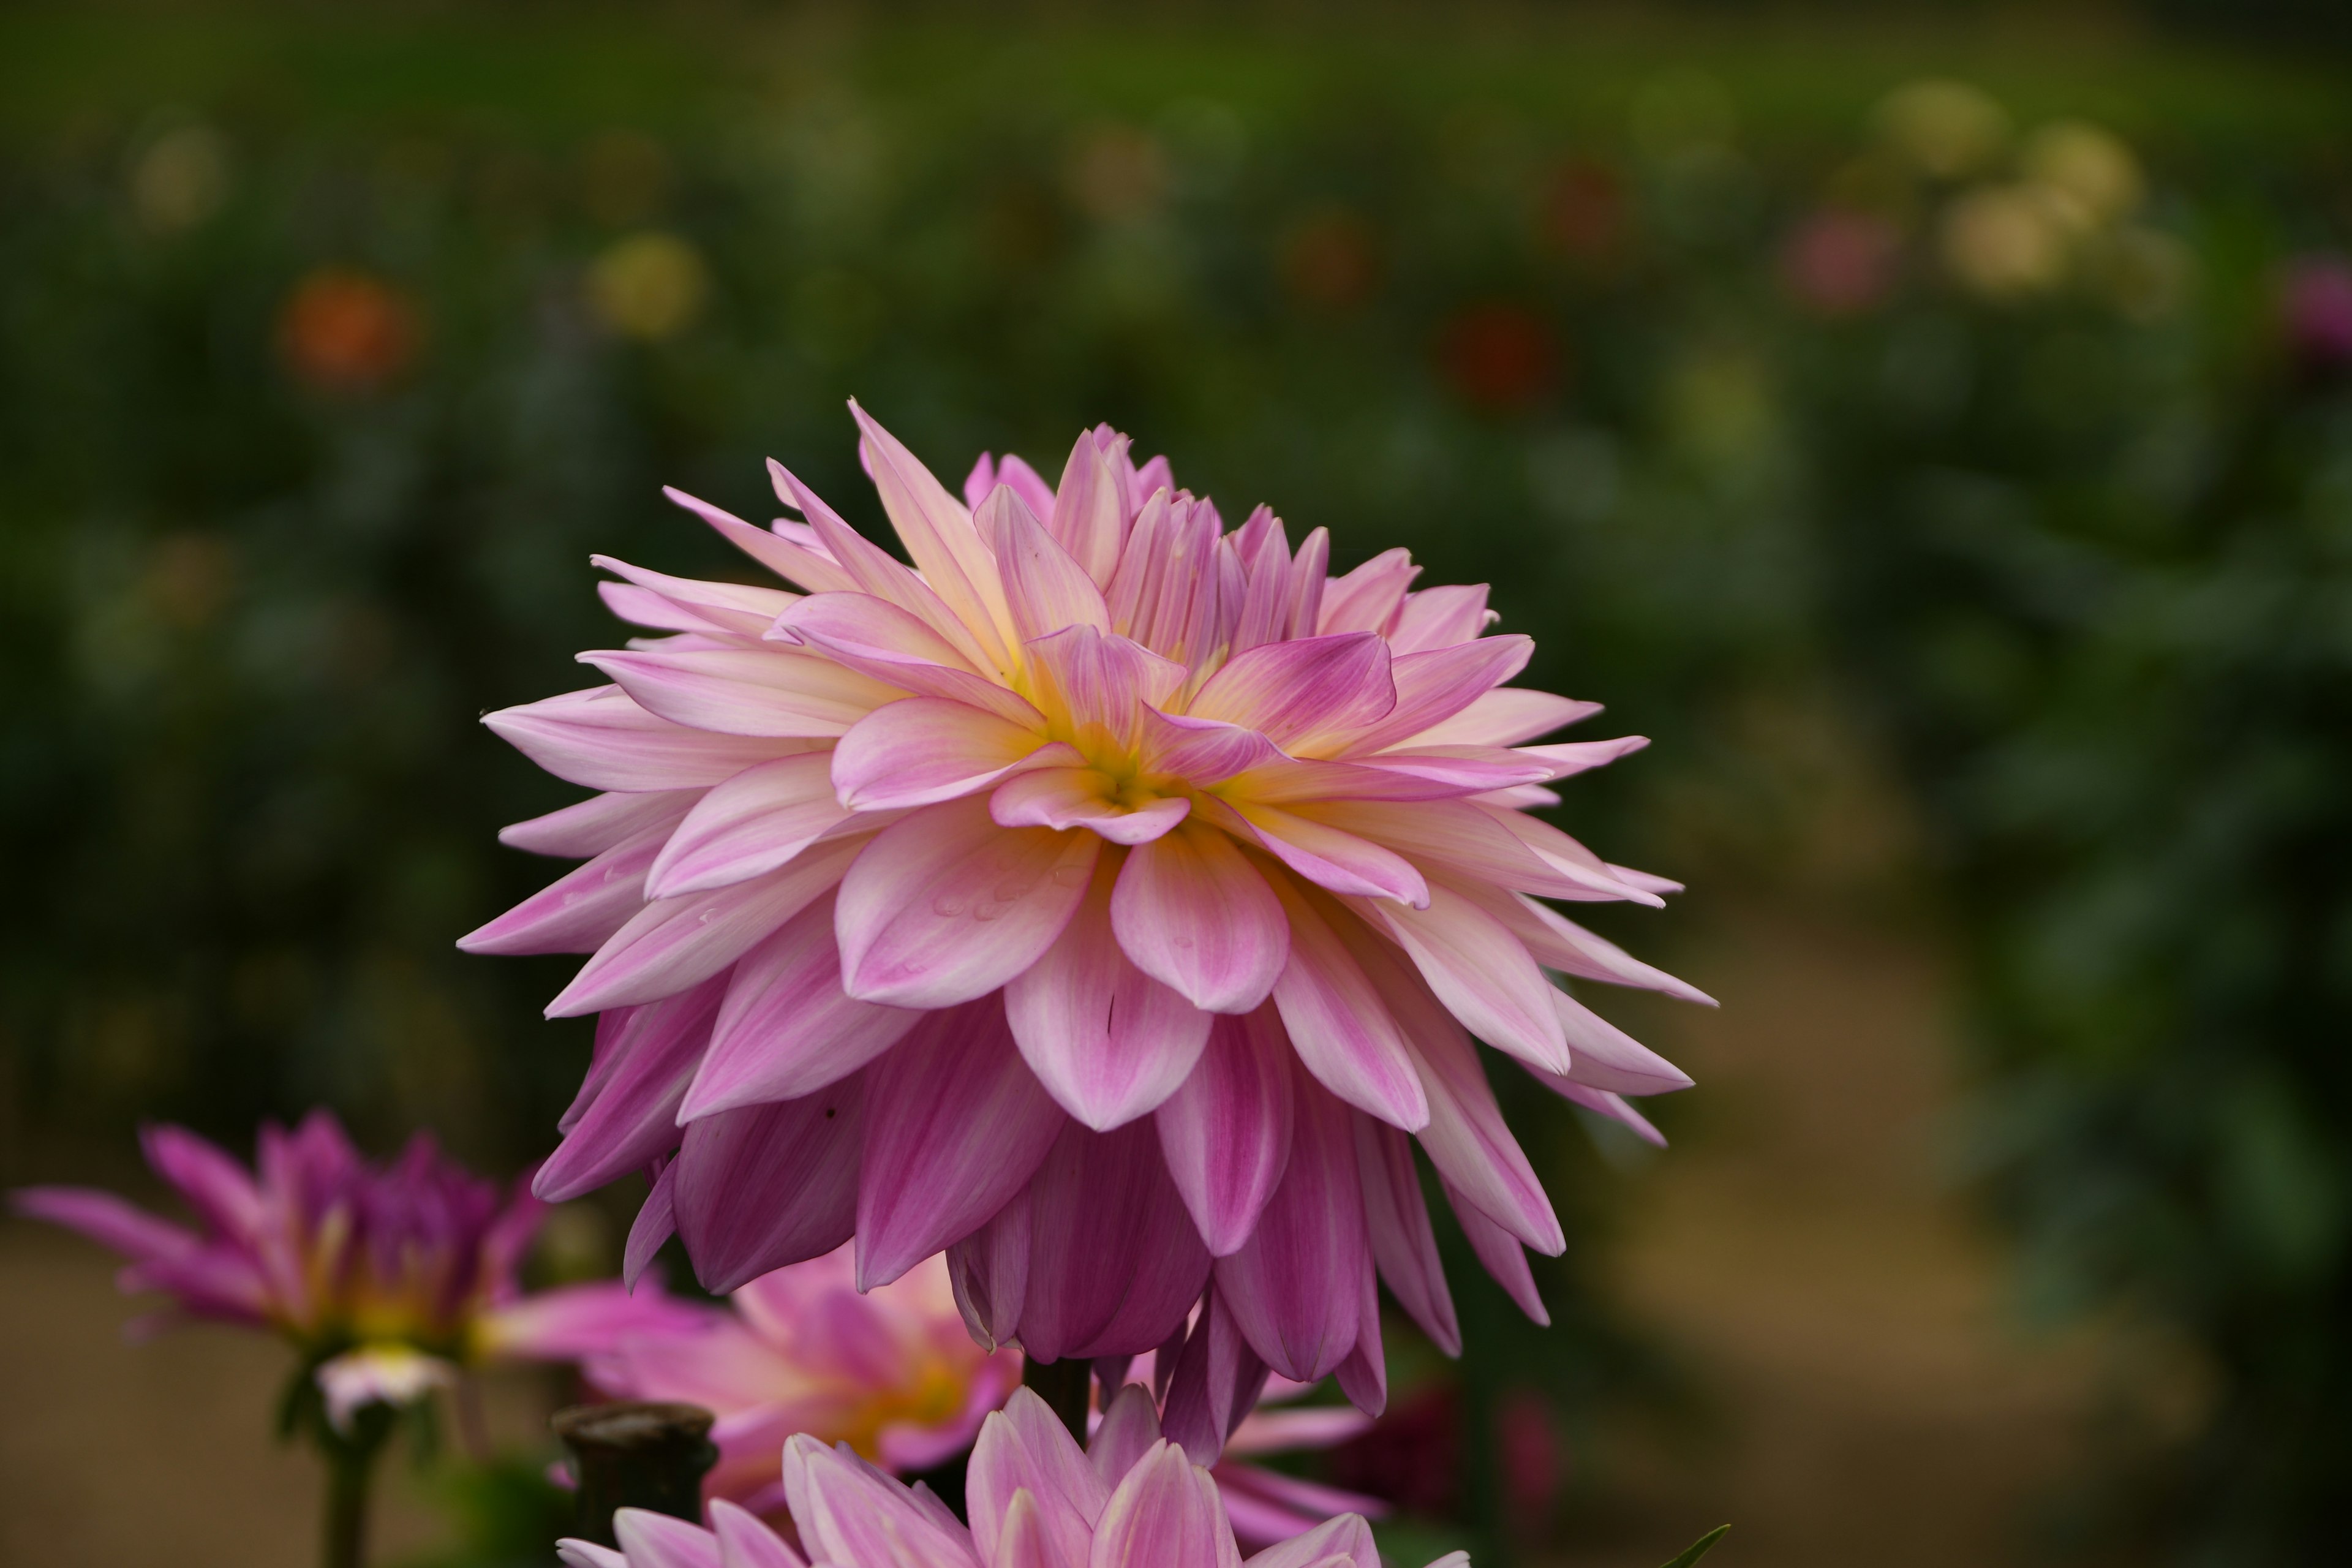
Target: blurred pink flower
[(1108, 899), (333, 1252), (892, 1374), (1130, 1499), (1839, 263), (2315, 305)]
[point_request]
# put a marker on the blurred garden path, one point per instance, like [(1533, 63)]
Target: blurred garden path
[(1798, 1248), (1801, 1248)]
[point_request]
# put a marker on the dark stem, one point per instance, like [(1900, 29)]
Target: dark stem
[(636, 1454), (1066, 1386), (350, 1476)]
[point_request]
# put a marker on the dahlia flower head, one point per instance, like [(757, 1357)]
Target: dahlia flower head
[(891, 1373), (1129, 1499), (1107, 898), (371, 1264)]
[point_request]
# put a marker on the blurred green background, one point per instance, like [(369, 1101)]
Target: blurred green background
[(1935, 429)]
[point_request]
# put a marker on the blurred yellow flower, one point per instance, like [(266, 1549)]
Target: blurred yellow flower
[(181, 179), (1943, 127), (649, 286), (2147, 275), (2007, 241), (2092, 167)]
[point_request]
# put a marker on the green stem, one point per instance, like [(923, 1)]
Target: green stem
[(350, 1475), (1066, 1385)]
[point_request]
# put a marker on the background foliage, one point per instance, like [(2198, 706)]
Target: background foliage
[(328, 354)]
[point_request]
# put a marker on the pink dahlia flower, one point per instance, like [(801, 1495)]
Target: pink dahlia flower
[(1130, 1499), (1107, 898), (333, 1252), (891, 1373)]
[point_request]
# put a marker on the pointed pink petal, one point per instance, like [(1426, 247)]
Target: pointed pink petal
[(1337, 1021), (1574, 757), (1025, 1447), (876, 572), (787, 1027), (1369, 598), (1591, 878), (1089, 516), (1363, 1373), (106, 1220), (958, 1125), (1107, 1041), (745, 1543), (1165, 1514), (1296, 693), (770, 1185), (656, 1541), (1434, 687), (1332, 858), (675, 943), (1449, 835), (939, 536), (1129, 1429), (1506, 716), (578, 913), (1441, 617), (1113, 1264), (989, 1270), (1346, 1539), (1225, 1133), (596, 823), (1297, 1286), (1100, 680), (655, 1223), (1562, 944), (851, 1513), (1025, 1540), (576, 1553), (601, 739), (924, 750), (1082, 797), (1606, 1057), (786, 560), (1608, 1103), (1044, 586), (767, 692), (1307, 578), (946, 906), (1388, 776), (1213, 1379), (634, 1117), (1201, 752), (1499, 1250), (1396, 1219), (726, 608), (1482, 973), (748, 826), (882, 639), (1193, 914)]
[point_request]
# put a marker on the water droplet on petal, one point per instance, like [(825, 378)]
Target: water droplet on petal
[(989, 912), (947, 907), (1069, 875)]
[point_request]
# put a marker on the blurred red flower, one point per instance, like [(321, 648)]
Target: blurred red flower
[(1501, 357), (1584, 213), (345, 331), (1838, 263), (1329, 260)]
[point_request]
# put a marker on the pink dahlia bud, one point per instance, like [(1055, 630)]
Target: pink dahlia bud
[(1108, 898), (1129, 1499), (328, 1249)]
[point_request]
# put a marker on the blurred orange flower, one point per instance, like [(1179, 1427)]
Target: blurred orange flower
[(1584, 214), (346, 331), (1329, 260), (1500, 357)]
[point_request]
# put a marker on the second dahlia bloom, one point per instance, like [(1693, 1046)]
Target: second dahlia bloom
[(1108, 898), (1128, 1500)]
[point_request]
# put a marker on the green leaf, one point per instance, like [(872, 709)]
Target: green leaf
[(1700, 1547)]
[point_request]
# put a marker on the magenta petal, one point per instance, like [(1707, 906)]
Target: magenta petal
[(1297, 1286), (748, 826), (1606, 1057), (674, 943), (1363, 1373), (1026, 1538), (1396, 1221), (1483, 975), (1082, 797), (1431, 687), (596, 823), (1441, 617), (1500, 1251), (1165, 1514), (106, 1220), (786, 560), (787, 1027), (946, 906), (1345, 1541), (1296, 692), (1337, 1021), (657, 1540), (1334, 859), (1202, 751), (1225, 1133), (745, 1543), (959, 1123), (578, 913), (1089, 516), (989, 1270), (1369, 598), (1107, 1041), (1129, 1429), (771, 1185), (634, 1117), (1507, 716), (1610, 1104), (1025, 1447), (1467, 1138), (655, 1223), (927, 749), (1113, 1262), (850, 1512), (1044, 586), (1214, 1380), (937, 534), (745, 691), (601, 739), (1194, 914)]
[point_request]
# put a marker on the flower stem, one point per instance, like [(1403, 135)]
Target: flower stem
[(1066, 1386), (351, 1476)]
